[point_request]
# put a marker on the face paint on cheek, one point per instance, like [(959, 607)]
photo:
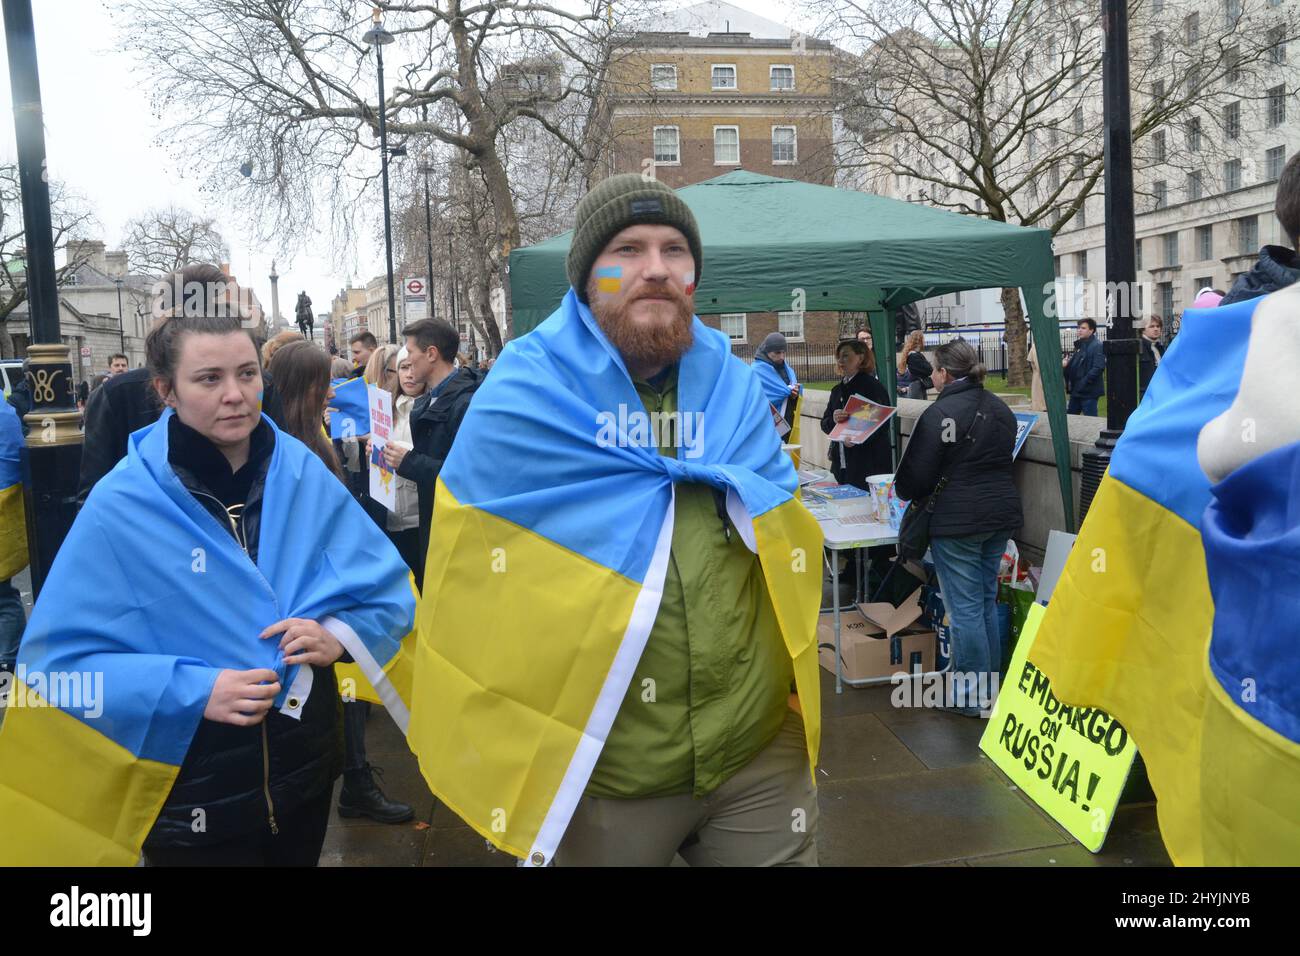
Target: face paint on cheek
[(689, 281), (609, 279)]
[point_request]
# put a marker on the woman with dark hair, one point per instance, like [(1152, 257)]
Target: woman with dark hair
[(959, 455), (302, 373), (215, 606), (852, 464), (913, 367)]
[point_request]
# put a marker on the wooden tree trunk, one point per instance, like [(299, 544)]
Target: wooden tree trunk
[(1018, 371)]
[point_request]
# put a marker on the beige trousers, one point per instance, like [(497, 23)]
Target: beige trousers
[(764, 815)]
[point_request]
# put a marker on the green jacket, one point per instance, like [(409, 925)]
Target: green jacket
[(712, 686)]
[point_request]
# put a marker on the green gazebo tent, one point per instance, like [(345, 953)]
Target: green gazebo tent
[(765, 238)]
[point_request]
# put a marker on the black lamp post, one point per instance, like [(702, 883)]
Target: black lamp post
[(121, 327), (53, 432), (378, 37), (1121, 345)]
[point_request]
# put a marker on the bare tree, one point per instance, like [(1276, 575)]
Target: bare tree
[(163, 240), (286, 89), (71, 218), (993, 107)]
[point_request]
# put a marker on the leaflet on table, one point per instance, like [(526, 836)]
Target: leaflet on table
[(1025, 422), (383, 487), (865, 416)]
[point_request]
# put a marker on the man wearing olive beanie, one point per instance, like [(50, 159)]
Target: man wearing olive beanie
[(691, 741)]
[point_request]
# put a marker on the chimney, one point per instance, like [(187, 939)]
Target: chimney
[(115, 264)]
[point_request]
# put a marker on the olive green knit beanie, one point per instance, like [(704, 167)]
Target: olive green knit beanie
[(616, 203)]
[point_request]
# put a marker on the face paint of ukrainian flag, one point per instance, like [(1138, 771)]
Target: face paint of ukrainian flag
[(609, 279)]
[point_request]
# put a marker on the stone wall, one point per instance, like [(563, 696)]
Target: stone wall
[(1035, 468)]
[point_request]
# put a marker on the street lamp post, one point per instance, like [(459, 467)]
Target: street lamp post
[(121, 327), (53, 424), (1121, 345), (378, 37)]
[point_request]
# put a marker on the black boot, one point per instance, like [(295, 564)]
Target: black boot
[(361, 797)]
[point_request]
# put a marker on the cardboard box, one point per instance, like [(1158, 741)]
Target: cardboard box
[(877, 640)]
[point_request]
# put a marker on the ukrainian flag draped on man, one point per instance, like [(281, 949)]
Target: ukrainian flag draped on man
[(547, 561)]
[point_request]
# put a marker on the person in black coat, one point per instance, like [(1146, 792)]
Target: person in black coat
[(431, 346), (1085, 371), (966, 436), (1152, 351), (853, 464)]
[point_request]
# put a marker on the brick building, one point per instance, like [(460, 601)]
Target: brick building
[(721, 89)]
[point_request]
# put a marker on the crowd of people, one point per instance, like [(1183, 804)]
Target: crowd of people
[(217, 431)]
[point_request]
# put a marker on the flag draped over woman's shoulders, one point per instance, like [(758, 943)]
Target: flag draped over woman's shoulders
[(148, 600), (551, 535)]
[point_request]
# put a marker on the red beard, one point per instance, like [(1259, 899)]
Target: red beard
[(646, 344)]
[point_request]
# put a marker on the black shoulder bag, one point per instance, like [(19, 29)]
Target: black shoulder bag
[(914, 529)]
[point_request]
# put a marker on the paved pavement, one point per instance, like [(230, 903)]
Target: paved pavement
[(897, 788)]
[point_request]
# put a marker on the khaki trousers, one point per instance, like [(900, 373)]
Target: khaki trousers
[(764, 815)]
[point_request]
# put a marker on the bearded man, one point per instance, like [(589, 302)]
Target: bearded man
[(616, 659)]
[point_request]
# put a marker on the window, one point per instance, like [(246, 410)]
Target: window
[(1277, 45), (663, 76), (1159, 149), (790, 324), (1170, 242), (1081, 264), (1054, 176), (1083, 216), (1032, 143), (1194, 135), (1157, 7), (782, 77), (724, 76), (1056, 264), (1161, 190), (1232, 175), (1137, 255), (733, 326), (1274, 161), (1195, 185), (1192, 28), (1276, 108), (1231, 13), (1204, 243), (1232, 64), (1165, 295), (1247, 235), (726, 146), (667, 146), (785, 145), (1158, 91), (1078, 119), (1232, 120), (1157, 46)]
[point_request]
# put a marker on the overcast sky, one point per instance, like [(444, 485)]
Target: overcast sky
[(100, 140)]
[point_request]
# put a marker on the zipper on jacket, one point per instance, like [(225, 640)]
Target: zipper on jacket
[(266, 781), (234, 514)]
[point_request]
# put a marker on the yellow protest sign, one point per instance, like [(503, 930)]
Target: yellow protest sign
[(1072, 761)]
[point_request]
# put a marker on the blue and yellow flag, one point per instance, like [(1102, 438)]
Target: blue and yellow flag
[(1180, 621), (148, 600), (13, 519), (552, 529), (775, 388)]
